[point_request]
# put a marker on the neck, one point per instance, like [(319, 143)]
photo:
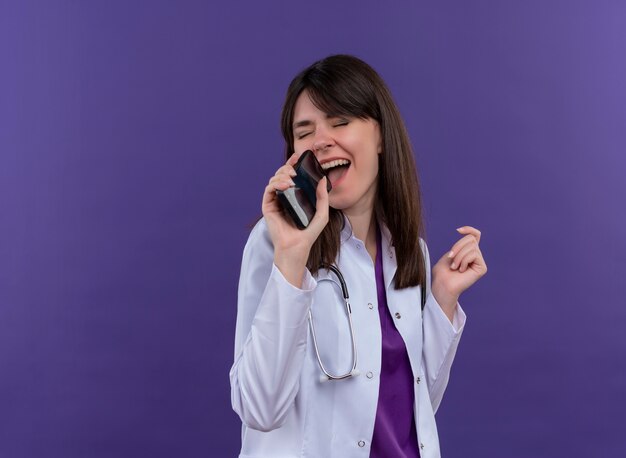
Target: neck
[(363, 222), (363, 225)]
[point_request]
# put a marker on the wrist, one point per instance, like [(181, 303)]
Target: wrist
[(292, 265), (293, 255), (445, 299)]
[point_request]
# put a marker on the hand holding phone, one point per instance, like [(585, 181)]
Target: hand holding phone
[(299, 201)]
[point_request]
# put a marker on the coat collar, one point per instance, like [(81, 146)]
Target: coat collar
[(346, 230), (390, 264), (388, 251)]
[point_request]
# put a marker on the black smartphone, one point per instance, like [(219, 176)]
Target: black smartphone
[(299, 201)]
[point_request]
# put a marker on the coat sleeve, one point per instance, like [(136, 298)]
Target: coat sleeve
[(441, 339), (270, 336)]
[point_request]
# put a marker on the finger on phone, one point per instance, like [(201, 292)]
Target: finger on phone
[(286, 170), (282, 178), (294, 158)]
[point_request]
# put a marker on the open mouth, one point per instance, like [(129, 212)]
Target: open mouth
[(335, 170)]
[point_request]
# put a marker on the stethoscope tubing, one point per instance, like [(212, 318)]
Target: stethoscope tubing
[(353, 372)]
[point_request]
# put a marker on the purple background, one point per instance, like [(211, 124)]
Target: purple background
[(135, 141)]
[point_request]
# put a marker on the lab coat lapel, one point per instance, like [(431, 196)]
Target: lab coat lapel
[(389, 257)]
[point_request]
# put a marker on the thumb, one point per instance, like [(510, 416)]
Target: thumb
[(321, 206)]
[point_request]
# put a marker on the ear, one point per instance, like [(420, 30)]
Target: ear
[(379, 149)]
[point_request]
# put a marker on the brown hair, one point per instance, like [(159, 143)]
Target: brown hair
[(345, 85)]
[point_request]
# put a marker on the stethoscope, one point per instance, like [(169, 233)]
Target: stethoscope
[(344, 290)]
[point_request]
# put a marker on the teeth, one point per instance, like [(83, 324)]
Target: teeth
[(335, 163)]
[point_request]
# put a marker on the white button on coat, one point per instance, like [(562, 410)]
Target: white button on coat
[(275, 378)]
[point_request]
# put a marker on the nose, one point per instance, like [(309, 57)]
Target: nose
[(322, 139), (322, 142)]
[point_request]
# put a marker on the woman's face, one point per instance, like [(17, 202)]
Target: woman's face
[(347, 148)]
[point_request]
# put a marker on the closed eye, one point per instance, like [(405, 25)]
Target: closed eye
[(341, 122), (301, 136)]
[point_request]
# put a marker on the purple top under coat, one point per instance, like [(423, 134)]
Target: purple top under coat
[(394, 430)]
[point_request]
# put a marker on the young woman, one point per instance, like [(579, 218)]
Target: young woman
[(369, 227)]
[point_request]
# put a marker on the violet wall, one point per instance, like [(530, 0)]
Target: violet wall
[(135, 142)]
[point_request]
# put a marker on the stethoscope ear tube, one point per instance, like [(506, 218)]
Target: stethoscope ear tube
[(337, 272), (353, 371)]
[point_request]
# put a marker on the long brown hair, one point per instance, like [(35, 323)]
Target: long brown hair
[(345, 85)]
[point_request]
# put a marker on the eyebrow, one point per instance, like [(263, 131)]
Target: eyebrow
[(301, 124)]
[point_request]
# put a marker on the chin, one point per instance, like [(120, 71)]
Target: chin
[(339, 204), (335, 205)]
